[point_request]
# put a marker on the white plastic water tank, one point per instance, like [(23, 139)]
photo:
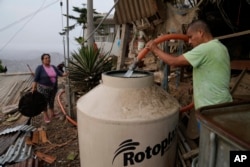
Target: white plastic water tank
[(127, 122)]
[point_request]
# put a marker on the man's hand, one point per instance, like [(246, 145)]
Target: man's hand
[(151, 45)]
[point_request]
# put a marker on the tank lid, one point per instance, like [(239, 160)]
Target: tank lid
[(138, 79)]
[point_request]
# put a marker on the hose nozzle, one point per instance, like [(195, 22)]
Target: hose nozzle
[(134, 65), (131, 69)]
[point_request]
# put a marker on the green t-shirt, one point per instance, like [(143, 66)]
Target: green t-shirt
[(211, 73)]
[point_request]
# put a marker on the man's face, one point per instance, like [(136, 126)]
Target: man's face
[(194, 37)]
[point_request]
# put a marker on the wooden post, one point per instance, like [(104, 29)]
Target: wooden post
[(123, 46), (90, 26)]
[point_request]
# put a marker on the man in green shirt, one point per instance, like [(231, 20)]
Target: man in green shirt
[(210, 61)]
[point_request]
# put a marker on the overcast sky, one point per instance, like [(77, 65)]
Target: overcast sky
[(35, 24)]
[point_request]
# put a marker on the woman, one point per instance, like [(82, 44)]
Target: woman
[(45, 82)]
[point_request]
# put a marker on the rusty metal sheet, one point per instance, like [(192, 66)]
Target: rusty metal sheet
[(229, 120), (17, 152), (127, 11), (223, 128), (24, 128), (7, 140)]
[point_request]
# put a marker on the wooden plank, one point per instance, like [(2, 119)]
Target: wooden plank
[(234, 35), (43, 136), (242, 86), (47, 158), (124, 41), (35, 137), (240, 64)]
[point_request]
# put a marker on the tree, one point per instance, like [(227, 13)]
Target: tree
[(2, 69), (80, 20), (1, 66)]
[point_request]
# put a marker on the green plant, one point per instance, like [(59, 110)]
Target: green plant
[(85, 68), (81, 19), (1, 66)]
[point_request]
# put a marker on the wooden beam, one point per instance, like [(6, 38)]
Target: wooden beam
[(240, 64), (234, 35), (124, 41)]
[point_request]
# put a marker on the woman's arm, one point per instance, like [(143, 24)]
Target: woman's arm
[(34, 87)]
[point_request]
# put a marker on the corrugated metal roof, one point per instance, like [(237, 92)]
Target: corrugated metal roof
[(127, 11), (21, 120), (31, 162), (11, 85), (9, 135), (25, 128), (6, 141), (17, 152)]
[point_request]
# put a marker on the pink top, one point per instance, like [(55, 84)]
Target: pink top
[(51, 73)]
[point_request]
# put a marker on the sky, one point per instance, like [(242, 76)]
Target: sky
[(35, 24)]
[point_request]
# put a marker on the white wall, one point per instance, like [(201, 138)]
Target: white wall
[(106, 46)]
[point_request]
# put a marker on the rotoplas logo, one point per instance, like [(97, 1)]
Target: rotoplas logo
[(128, 147)]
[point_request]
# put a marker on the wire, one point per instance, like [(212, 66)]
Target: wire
[(26, 17), (102, 21), (223, 14), (32, 16)]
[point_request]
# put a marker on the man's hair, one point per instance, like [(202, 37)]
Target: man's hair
[(199, 24)]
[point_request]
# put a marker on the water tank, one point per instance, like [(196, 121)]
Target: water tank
[(127, 122)]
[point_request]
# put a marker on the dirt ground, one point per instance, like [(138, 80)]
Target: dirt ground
[(62, 141), (62, 136)]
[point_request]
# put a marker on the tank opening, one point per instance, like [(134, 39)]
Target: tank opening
[(131, 69), (135, 74)]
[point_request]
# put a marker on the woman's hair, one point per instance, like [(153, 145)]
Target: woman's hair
[(43, 55)]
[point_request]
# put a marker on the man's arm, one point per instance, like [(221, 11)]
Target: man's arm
[(167, 58)]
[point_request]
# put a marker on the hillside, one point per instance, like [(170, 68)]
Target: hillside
[(17, 61)]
